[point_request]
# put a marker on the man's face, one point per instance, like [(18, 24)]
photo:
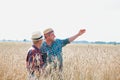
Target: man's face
[(50, 36)]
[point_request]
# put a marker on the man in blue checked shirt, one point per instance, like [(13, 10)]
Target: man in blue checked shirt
[(53, 47)]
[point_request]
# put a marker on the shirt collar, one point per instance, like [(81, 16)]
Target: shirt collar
[(35, 47), (48, 45)]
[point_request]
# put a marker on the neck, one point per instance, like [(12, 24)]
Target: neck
[(37, 45), (49, 42)]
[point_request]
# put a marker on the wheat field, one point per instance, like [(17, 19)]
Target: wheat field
[(81, 62)]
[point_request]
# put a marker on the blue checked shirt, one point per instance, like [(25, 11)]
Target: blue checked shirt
[(55, 49)]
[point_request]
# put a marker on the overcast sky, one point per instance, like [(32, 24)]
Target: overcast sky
[(100, 18)]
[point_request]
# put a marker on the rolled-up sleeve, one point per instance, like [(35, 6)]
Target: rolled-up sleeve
[(65, 42)]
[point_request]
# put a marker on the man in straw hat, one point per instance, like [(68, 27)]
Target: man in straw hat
[(34, 59), (53, 47)]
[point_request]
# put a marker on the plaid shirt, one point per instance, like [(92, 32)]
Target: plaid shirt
[(31, 54), (55, 49)]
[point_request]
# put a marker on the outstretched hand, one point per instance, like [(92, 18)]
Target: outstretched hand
[(81, 31)]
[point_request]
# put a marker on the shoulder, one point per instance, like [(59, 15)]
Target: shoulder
[(30, 50), (62, 40), (58, 40)]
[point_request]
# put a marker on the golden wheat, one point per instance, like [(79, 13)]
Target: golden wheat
[(81, 62)]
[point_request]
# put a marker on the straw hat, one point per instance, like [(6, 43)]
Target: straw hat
[(48, 30), (36, 36)]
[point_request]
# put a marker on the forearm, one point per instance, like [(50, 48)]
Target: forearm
[(72, 38)]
